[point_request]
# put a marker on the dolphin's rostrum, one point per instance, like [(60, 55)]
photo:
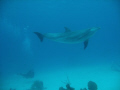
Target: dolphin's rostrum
[(69, 36)]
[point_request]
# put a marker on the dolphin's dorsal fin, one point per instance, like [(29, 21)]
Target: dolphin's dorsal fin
[(85, 44), (67, 29)]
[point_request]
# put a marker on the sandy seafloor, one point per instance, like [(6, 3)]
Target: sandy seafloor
[(105, 78)]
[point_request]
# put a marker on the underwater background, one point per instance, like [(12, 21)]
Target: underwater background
[(21, 50)]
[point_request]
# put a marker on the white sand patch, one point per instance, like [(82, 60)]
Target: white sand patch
[(78, 76)]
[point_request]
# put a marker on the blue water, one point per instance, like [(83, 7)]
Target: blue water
[(21, 50)]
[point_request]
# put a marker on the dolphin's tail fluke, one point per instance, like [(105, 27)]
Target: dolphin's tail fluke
[(40, 36)]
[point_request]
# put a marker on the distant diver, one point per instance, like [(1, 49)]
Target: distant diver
[(70, 37), (29, 74)]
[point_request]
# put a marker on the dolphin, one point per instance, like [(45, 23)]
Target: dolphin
[(70, 37)]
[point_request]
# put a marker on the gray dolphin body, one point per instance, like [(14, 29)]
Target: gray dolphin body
[(70, 37)]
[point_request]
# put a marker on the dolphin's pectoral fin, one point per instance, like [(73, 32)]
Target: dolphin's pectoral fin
[(85, 44), (67, 29), (40, 36)]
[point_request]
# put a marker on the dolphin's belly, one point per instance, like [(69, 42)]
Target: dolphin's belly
[(72, 40)]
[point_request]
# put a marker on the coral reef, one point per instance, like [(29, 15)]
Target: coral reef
[(68, 87), (37, 85), (92, 85), (61, 88)]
